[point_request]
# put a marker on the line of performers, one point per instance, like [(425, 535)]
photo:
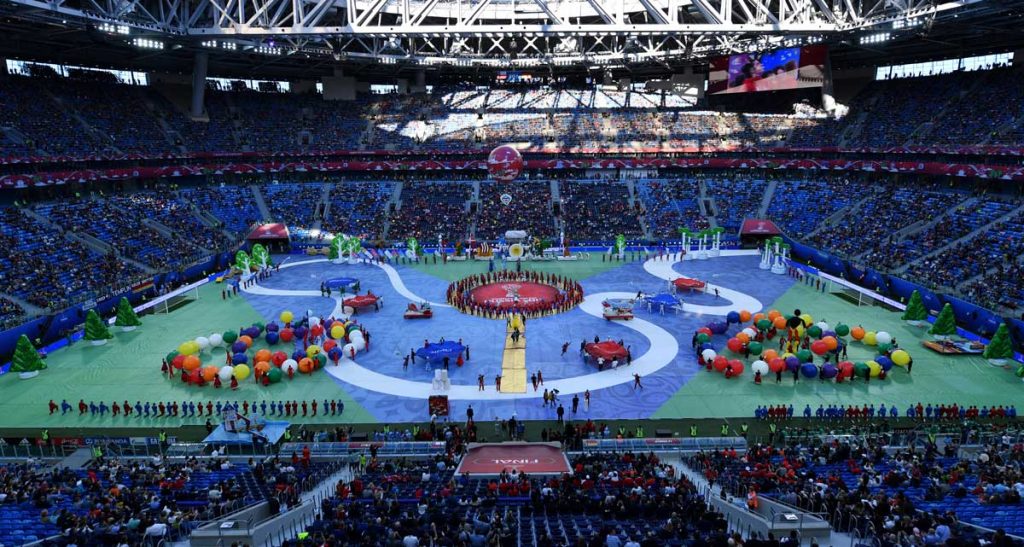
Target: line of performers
[(569, 296)]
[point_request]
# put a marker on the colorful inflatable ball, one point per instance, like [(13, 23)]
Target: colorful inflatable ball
[(225, 373), (188, 348), (337, 331), (335, 354), (229, 337), (769, 354), (209, 373), (272, 327), (278, 358), (262, 367), (875, 368), (272, 337), (313, 351), (274, 375), (329, 345), (216, 340), (246, 339), (203, 343), (900, 358), (290, 366), (734, 345), (859, 368), (829, 371), (287, 335), (857, 333), (842, 330), (831, 343), (319, 361), (178, 362), (286, 317), (744, 316), (819, 347), (870, 338), (720, 363), (742, 337), (262, 355), (883, 337), (792, 363), (884, 362), (763, 324), (732, 317), (191, 363), (779, 322), (755, 348), (777, 364), (239, 347), (737, 367), (804, 355), (241, 372), (759, 366), (809, 370)]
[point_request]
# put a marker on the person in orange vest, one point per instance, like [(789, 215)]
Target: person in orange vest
[(752, 499)]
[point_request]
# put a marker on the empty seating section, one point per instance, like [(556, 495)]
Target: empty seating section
[(232, 204), (530, 209), (671, 204), (49, 271), (885, 211), (430, 206), (359, 208), (736, 199), (293, 203), (173, 213), (799, 206), (598, 211)]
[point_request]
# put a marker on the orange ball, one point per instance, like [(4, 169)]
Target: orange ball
[(744, 316), (246, 339), (830, 342), (191, 363), (768, 355), (772, 314), (306, 365), (757, 317), (779, 322), (857, 333), (262, 355), (209, 373), (742, 337)]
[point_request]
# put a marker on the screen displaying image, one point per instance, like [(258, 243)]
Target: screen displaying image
[(789, 68)]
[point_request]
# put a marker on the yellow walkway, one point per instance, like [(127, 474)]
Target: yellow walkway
[(513, 361)]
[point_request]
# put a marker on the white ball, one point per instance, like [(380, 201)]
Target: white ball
[(226, 372), (289, 365), (749, 332), (314, 321), (708, 354), (823, 326), (759, 366), (204, 342), (216, 339), (883, 337)]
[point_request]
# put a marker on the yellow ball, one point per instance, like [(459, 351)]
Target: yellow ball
[(875, 368), (871, 338), (287, 316), (807, 319), (241, 372), (900, 358), (312, 351), (337, 332), (188, 348)]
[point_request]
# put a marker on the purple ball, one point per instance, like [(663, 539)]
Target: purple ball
[(272, 338), (830, 371), (298, 355), (252, 332), (809, 370), (239, 347), (273, 327), (335, 353), (300, 332), (718, 328), (792, 363), (239, 359), (831, 333)]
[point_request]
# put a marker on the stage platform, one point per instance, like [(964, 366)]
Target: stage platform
[(273, 431), (530, 458)]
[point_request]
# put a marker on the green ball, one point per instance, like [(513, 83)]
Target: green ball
[(842, 330), (230, 337), (814, 331), (703, 338), (860, 367), (755, 348), (274, 375), (171, 356), (764, 324), (804, 355), (1020, 371), (320, 360), (884, 348)]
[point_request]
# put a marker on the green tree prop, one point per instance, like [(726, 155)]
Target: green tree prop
[(915, 311), (95, 329), (334, 252), (26, 358), (999, 349), (126, 316), (260, 256), (945, 323)]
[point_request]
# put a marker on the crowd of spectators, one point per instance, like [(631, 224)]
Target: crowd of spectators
[(11, 314), (671, 204), (799, 206), (599, 211), (165, 207), (358, 208), (49, 271), (294, 203), (611, 499), (529, 210), (232, 204), (736, 198), (431, 207)]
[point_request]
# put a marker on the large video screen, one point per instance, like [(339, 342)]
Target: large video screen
[(789, 68)]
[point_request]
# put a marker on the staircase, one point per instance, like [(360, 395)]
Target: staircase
[(393, 202), (706, 203), (766, 200), (211, 220), (325, 203), (16, 137), (962, 239), (261, 204)]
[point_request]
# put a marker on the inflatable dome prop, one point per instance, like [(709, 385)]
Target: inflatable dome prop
[(604, 353), (504, 163), (688, 284), (342, 283), (663, 302), (360, 301)]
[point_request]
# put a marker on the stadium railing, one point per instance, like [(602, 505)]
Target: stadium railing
[(688, 444)]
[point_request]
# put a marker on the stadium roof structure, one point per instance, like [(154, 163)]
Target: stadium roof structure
[(398, 35)]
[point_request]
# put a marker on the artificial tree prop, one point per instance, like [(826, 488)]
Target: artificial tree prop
[(96, 330), (999, 349), (945, 323), (127, 319), (916, 313), (26, 362)]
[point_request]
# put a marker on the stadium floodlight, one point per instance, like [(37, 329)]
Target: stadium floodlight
[(876, 38), (146, 43), (111, 28)]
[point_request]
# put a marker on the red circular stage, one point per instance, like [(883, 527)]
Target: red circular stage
[(684, 283), (514, 294)]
